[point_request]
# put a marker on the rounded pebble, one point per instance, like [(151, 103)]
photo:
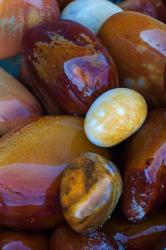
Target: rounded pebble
[(69, 69), (90, 13), (115, 116), (90, 189), (137, 44)]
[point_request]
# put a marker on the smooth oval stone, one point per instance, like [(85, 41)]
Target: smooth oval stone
[(17, 104), (90, 13), (145, 171), (31, 162), (68, 65), (19, 15), (138, 45), (114, 116), (11, 240), (99, 187), (156, 9)]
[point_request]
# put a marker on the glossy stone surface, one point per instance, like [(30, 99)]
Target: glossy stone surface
[(145, 171), (66, 239), (69, 66), (141, 236), (31, 162), (139, 54), (90, 190), (156, 9), (114, 116), (17, 104), (19, 15), (10, 240), (90, 13)]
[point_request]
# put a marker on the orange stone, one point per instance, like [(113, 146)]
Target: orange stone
[(137, 44)]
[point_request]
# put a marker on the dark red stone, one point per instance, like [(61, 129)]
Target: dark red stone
[(68, 65), (145, 168)]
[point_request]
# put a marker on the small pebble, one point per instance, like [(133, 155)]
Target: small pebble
[(114, 116), (90, 189)]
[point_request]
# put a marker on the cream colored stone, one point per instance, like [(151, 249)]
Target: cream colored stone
[(123, 113)]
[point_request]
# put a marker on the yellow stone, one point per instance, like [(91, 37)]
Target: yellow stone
[(114, 116)]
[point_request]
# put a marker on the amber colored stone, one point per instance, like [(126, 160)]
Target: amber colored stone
[(141, 236), (66, 239), (137, 45), (10, 240), (154, 8), (68, 65), (145, 171), (17, 104), (31, 162), (89, 192), (16, 16)]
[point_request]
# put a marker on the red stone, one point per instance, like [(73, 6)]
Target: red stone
[(145, 171), (69, 66)]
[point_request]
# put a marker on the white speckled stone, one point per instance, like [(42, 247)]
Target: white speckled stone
[(90, 13), (114, 116)]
